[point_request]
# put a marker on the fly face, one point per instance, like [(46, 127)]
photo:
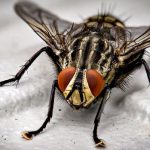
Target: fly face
[(80, 87)]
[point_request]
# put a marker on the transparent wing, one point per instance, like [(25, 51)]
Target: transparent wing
[(135, 32), (137, 39), (48, 26)]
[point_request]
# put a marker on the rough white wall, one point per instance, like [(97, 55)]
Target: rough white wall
[(126, 119)]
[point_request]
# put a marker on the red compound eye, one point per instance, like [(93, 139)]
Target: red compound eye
[(65, 77), (96, 82)]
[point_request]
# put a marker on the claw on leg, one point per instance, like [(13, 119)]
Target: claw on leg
[(26, 135), (100, 143)]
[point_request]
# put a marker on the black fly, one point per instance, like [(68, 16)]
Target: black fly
[(92, 57)]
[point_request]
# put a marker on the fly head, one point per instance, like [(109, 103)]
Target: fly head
[(80, 87)]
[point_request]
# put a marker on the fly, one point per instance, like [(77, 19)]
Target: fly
[(91, 57)]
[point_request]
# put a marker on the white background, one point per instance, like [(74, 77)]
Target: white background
[(125, 124)]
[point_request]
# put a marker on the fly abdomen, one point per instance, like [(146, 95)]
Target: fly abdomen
[(106, 20)]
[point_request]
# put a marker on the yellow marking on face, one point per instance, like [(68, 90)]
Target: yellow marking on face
[(88, 96), (75, 97), (70, 85)]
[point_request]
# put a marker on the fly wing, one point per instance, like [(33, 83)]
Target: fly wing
[(140, 38), (137, 39), (48, 26), (135, 32), (54, 31)]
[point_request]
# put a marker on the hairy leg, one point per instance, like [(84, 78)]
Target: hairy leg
[(25, 67), (29, 134), (100, 142)]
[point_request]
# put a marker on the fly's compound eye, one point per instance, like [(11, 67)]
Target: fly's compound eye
[(95, 81), (65, 77)]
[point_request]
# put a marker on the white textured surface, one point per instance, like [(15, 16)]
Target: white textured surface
[(126, 119)]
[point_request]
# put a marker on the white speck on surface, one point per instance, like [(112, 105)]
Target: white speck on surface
[(125, 123)]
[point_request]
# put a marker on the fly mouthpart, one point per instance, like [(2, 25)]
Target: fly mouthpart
[(75, 106)]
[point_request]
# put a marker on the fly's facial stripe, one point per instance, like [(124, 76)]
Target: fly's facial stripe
[(71, 83)]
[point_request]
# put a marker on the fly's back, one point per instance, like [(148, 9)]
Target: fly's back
[(91, 47)]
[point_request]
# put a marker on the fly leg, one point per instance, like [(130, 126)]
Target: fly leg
[(147, 69), (25, 67), (29, 134), (100, 142)]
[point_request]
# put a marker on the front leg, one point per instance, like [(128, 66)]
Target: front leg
[(100, 142), (29, 134), (25, 66)]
